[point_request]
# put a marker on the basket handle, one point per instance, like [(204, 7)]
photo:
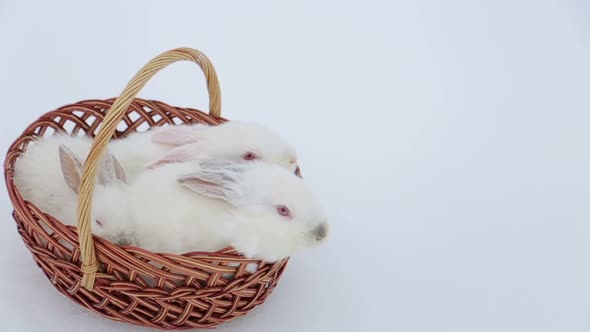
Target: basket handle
[(89, 261)]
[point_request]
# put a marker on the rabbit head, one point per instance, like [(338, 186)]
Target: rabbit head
[(108, 213), (231, 140), (274, 214)]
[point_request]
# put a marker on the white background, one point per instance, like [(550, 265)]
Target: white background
[(448, 141)]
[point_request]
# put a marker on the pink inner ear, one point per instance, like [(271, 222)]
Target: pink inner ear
[(176, 135), (203, 187), (119, 171), (158, 163), (178, 154)]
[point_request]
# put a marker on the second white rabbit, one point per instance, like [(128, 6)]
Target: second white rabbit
[(261, 209)]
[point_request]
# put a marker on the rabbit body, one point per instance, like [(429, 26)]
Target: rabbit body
[(210, 204)]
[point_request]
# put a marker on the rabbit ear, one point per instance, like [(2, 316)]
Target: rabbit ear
[(177, 154), (177, 135), (119, 170), (215, 179), (71, 167), (110, 170)]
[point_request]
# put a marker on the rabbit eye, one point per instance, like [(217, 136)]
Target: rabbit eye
[(250, 156), (283, 211)]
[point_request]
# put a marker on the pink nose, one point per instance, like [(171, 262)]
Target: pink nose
[(298, 171), (320, 232)]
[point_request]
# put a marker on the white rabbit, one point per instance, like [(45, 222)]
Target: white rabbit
[(261, 209), (231, 141), (234, 140), (38, 171)]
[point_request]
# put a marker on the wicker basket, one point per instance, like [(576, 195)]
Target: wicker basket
[(129, 284)]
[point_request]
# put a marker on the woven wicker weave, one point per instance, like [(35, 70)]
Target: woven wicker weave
[(129, 284)]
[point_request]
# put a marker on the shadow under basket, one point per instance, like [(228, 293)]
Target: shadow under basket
[(133, 285)]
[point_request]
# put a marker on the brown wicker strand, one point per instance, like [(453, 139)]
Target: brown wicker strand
[(109, 125)]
